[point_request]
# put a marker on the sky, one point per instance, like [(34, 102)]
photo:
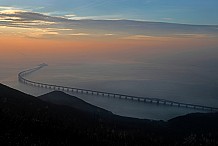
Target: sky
[(184, 11), (103, 25)]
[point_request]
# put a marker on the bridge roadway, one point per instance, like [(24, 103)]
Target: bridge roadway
[(22, 79)]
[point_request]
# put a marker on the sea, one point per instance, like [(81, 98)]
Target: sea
[(189, 76)]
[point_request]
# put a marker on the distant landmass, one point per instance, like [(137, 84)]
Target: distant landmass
[(57, 118)]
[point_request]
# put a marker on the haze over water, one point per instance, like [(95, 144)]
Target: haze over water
[(188, 76)]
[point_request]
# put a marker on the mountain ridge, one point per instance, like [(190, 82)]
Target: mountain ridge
[(27, 120)]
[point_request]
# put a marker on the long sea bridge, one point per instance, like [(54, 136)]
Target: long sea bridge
[(22, 79)]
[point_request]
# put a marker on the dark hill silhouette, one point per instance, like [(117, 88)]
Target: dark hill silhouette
[(27, 120), (61, 98), (197, 122)]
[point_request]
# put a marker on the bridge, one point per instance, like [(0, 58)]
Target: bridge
[(22, 79)]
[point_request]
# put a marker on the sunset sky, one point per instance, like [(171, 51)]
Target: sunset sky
[(75, 18), (102, 25)]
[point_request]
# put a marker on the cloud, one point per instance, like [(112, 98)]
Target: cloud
[(27, 16), (72, 25), (109, 34), (101, 17), (30, 24), (195, 35), (146, 38), (70, 15), (27, 32), (80, 34), (138, 37), (23, 18), (6, 8)]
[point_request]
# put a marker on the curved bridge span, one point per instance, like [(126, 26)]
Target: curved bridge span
[(22, 79)]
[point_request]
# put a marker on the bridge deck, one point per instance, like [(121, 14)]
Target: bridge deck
[(21, 77)]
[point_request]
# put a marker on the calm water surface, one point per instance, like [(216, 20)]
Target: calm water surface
[(190, 80)]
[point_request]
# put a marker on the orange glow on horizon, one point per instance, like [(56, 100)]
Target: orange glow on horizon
[(54, 49)]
